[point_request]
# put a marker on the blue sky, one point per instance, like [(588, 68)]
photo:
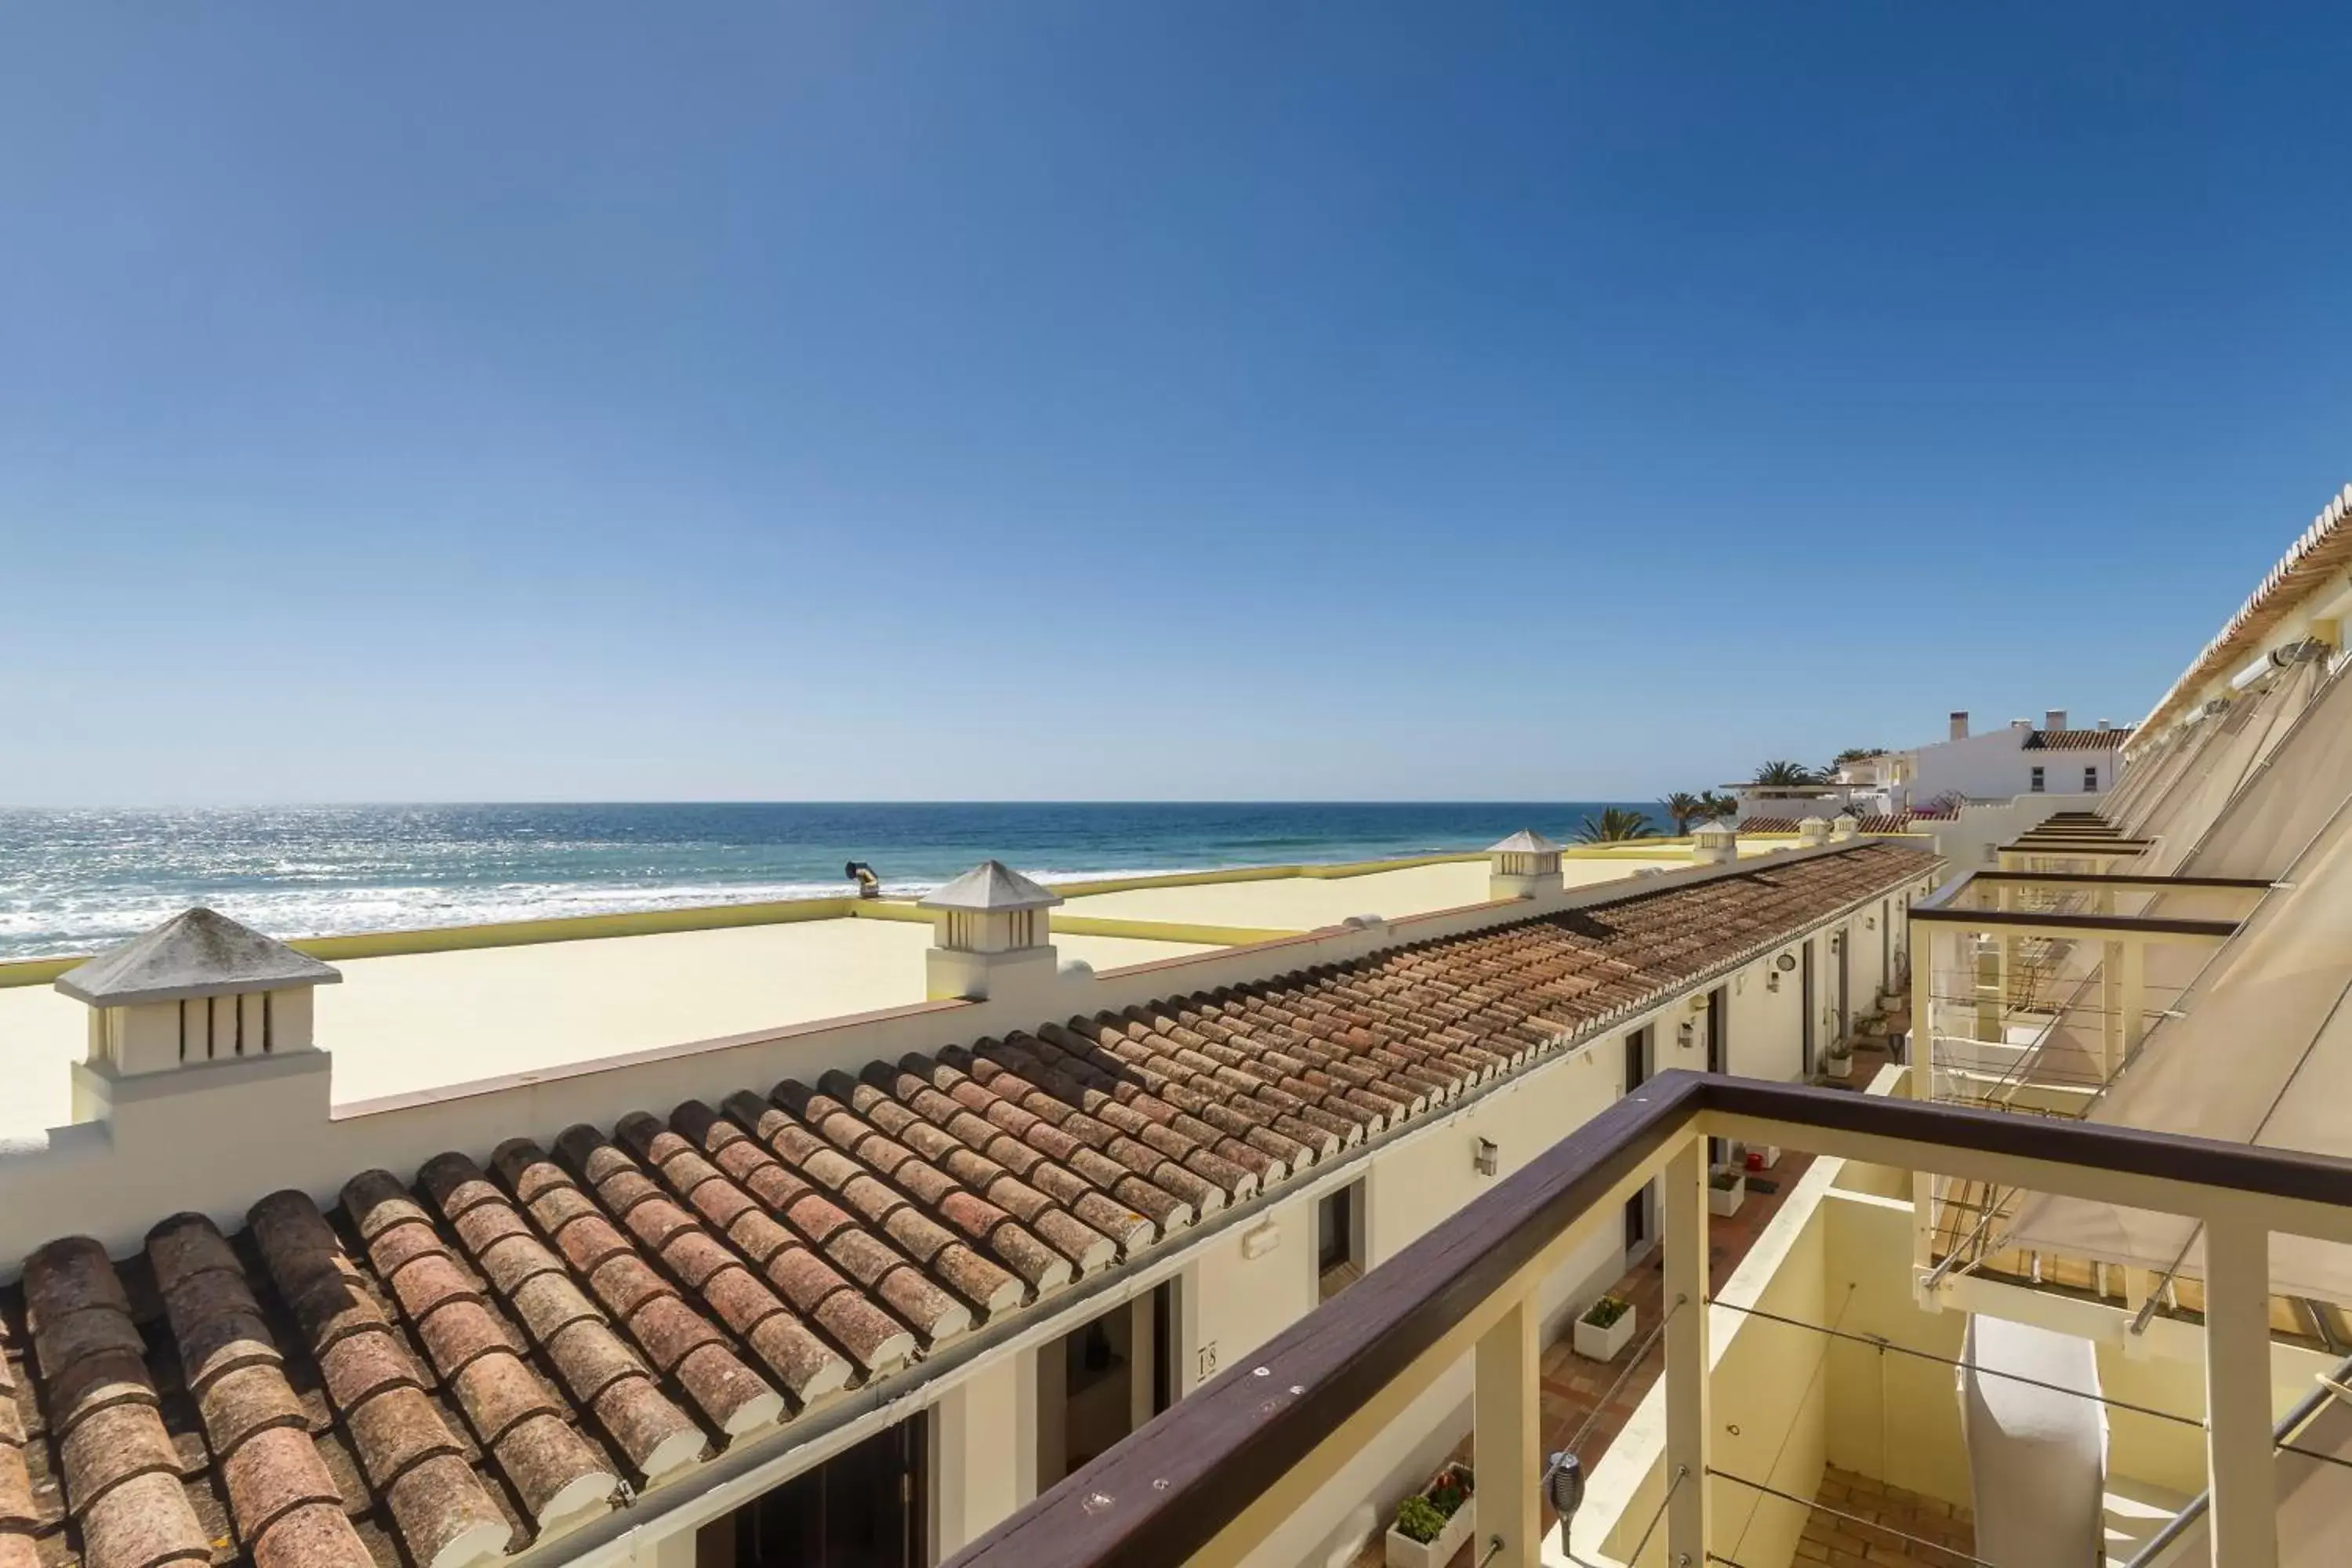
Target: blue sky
[(1083, 401)]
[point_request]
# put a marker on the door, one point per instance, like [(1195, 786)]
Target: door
[(1805, 1002), (1718, 1058), (1845, 968), (1885, 945), (861, 1509)]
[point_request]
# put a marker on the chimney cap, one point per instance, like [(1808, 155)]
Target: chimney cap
[(1526, 841), (195, 953), (990, 887), (1717, 828)]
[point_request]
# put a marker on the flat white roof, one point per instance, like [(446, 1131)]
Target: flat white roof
[(430, 1020)]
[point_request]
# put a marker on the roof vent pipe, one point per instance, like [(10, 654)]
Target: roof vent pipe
[(1960, 725)]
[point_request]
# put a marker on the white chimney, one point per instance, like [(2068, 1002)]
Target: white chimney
[(1523, 865), (992, 929), (2055, 719), (2021, 723), (1812, 830), (2106, 725), (1960, 725), (1714, 843), (198, 989)]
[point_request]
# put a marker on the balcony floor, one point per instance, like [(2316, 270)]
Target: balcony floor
[(1574, 1387), (1833, 1542)]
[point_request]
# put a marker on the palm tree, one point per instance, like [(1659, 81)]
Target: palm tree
[(1615, 826), (1719, 807), (1685, 808), (1786, 772)]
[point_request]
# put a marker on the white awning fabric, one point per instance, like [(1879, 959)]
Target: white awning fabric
[(2262, 1041)]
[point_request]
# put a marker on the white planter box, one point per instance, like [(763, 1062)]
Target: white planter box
[(1404, 1551), (1726, 1200), (1837, 1067), (1602, 1344)]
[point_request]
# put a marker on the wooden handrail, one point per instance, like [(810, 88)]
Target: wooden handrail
[(1156, 1499)]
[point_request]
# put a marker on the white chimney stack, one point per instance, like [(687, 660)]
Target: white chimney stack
[(991, 929), (1714, 843), (1523, 865), (2055, 719), (197, 990), (1960, 725)]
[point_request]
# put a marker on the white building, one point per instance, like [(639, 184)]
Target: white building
[(2018, 759)]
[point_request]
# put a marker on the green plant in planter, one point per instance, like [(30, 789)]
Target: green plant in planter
[(1724, 1181), (1418, 1520), (1450, 1492), (1604, 1313)]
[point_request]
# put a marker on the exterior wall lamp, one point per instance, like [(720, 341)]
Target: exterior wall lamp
[(1488, 1156)]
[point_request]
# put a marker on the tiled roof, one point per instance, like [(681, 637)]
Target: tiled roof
[(2320, 550), (1875, 822), (2077, 739), (443, 1367)]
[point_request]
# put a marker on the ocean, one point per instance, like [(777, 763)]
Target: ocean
[(76, 880)]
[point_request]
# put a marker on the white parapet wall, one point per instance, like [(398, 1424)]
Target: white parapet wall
[(185, 1141)]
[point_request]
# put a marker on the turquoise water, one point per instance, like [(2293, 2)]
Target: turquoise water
[(74, 880)]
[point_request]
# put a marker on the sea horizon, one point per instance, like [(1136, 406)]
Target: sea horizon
[(75, 879)]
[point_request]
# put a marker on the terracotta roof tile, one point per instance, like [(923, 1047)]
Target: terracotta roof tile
[(2078, 739), (491, 1351)]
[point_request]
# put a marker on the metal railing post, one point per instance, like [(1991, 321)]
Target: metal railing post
[(1507, 1428), (1684, 1202), (2238, 1460)]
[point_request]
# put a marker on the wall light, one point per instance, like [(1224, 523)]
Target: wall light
[(1785, 962), (1488, 1156), (1261, 1239)]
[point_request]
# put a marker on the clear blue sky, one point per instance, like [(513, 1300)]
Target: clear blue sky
[(1081, 400)]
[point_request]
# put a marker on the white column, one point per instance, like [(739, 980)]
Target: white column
[(1684, 1198), (1506, 1441), (2111, 1003), (2135, 997), (1923, 1086), (2238, 1462), (675, 1550), (983, 1451)]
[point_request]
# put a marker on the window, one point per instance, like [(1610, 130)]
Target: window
[(2036, 785), (1340, 1239), (1637, 1059), (2090, 781)]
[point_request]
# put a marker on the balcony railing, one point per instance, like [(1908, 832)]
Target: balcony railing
[(1207, 1481)]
